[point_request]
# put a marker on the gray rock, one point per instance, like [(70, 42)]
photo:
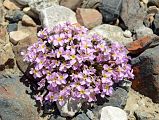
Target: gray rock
[(156, 24), (110, 10), (90, 115), (147, 74), (15, 104), (142, 32), (152, 10), (14, 16), (12, 27), (23, 2), (81, 117), (90, 3), (111, 32), (57, 118), (132, 14), (113, 113), (56, 14), (72, 4), (70, 108)]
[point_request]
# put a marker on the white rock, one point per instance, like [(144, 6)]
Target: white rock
[(127, 34), (113, 113), (16, 36), (70, 108), (56, 14), (110, 32)]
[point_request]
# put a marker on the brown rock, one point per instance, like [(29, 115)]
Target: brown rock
[(152, 10), (28, 21), (29, 12), (16, 36), (9, 4), (138, 46), (88, 17), (72, 4)]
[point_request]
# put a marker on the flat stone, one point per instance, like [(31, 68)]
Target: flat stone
[(110, 32), (9, 4), (112, 113), (56, 14), (26, 20), (17, 36), (72, 4), (12, 27), (88, 17)]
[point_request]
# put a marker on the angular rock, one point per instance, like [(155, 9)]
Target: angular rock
[(140, 45), (113, 113), (56, 14), (26, 20), (146, 70), (81, 117), (142, 32), (132, 14), (57, 118), (9, 4), (72, 4), (17, 36), (156, 24), (90, 3), (111, 32), (70, 108), (127, 34), (28, 11), (110, 10), (23, 2), (152, 10), (12, 27), (15, 104), (148, 20), (88, 17), (2, 14), (14, 16), (90, 114)]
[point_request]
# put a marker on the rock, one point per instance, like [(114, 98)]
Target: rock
[(145, 1), (14, 16), (57, 118), (125, 84), (112, 113), (28, 11), (22, 47), (110, 10), (132, 15), (17, 36), (14, 101), (156, 24), (147, 73), (152, 10), (12, 27), (127, 34), (72, 4), (9, 4), (90, 3), (90, 115), (140, 45), (23, 2), (81, 117), (56, 14), (153, 3), (148, 20), (111, 32), (2, 14), (70, 108), (88, 17), (142, 32), (139, 106), (26, 20)]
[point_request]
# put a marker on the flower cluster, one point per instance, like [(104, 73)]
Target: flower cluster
[(69, 63)]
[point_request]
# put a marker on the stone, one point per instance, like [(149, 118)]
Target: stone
[(14, 16), (110, 32), (90, 114), (132, 15), (142, 32), (56, 14), (156, 24), (2, 14), (140, 45), (110, 10), (15, 103), (72, 4), (29, 12), (23, 2), (12, 27), (57, 118), (90, 3), (127, 34), (17, 36), (89, 18), (145, 1), (148, 20), (146, 73), (22, 47), (140, 115), (112, 113), (81, 117), (153, 3), (26, 20), (70, 108), (152, 10), (9, 4)]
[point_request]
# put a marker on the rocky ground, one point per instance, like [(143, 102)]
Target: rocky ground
[(133, 23)]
